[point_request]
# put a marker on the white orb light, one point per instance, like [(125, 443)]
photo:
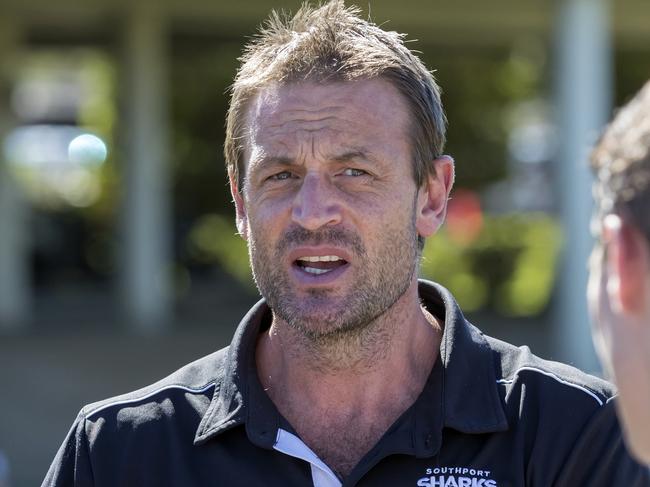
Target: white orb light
[(87, 149)]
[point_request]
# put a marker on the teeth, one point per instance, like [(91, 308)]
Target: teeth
[(320, 258), (313, 270)]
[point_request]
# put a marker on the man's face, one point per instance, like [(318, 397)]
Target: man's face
[(330, 204), (609, 317), (619, 293)]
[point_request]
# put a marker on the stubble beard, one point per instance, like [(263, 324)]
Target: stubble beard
[(346, 325)]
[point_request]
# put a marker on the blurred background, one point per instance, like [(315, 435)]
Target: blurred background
[(118, 255)]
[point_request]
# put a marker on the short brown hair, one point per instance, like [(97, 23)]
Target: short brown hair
[(621, 163), (329, 43)]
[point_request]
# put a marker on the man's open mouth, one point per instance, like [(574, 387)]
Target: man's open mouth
[(319, 264)]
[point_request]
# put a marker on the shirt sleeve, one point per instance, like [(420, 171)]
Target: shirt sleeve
[(599, 457), (71, 465)]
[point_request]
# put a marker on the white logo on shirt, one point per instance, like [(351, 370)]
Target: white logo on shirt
[(456, 477)]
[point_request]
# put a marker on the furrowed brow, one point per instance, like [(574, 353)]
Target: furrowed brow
[(353, 155), (267, 161)]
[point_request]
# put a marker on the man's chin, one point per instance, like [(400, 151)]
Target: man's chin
[(323, 322), (315, 323)]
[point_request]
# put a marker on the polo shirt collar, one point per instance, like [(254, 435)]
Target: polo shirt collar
[(462, 389), (238, 397), (471, 400)]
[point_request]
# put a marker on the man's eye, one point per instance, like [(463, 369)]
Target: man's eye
[(281, 176), (350, 171)]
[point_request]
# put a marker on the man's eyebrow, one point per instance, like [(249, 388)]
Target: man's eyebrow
[(347, 156), (266, 160), (352, 155)]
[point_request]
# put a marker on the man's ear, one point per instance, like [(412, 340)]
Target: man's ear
[(628, 262), (240, 207), (433, 196)]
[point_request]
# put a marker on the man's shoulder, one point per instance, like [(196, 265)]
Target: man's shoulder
[(517, 367), (513, 366), (193, 382), (140, 437)]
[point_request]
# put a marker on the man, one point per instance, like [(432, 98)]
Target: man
[(349, 372), (619, 286)]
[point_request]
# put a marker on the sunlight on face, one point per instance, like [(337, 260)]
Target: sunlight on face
[(330, 203)]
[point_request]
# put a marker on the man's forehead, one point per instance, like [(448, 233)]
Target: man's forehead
[(342, 119), (311, 100)]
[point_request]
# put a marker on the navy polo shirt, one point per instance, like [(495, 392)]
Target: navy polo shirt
[(490, 415)]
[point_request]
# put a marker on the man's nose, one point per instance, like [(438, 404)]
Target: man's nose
[(316, 203)]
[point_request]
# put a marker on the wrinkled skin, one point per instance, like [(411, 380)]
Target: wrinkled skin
[(329, 167)]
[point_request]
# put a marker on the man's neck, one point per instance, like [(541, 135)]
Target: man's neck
[(360, 384)]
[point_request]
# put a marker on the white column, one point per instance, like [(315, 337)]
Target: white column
[(15, 285), (145, 214), (584, 86)]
